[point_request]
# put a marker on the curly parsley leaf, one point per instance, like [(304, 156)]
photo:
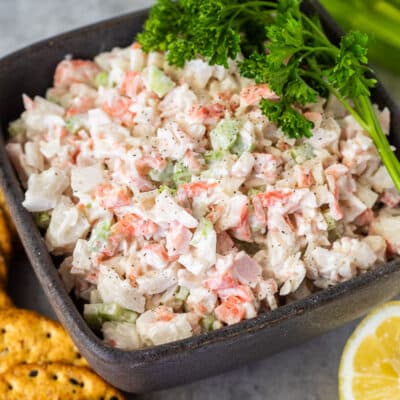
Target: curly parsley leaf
[(213, 29), (349, 73), (287, 118)]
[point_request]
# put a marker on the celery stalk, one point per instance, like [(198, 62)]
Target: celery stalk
[(380, 19)]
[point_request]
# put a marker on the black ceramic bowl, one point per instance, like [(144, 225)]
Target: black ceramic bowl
[(30, 71)]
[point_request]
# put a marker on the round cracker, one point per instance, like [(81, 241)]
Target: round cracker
[(4, 207), (56, 382), (3, 271), (5, 300), (5, 235), (27, 337)]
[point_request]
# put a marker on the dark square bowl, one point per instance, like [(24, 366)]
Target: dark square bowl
[(30, 71)]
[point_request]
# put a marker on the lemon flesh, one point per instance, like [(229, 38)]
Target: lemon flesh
[(370, 364)]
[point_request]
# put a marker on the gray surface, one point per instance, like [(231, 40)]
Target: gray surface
[(307, 372)]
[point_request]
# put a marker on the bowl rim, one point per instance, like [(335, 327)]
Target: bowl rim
[(62, 303)]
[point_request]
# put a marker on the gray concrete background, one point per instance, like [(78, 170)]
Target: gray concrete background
[(307, 372)]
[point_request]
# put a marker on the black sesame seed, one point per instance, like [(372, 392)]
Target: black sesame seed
[(33, 373), (73, 381)]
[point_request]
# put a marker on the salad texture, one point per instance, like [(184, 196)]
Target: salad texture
[(178, 207)]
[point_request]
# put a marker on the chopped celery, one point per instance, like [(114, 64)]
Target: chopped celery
[(42, 219), (100, 234), (225, 134), (72, 124), (242, 145), (182, 293), (127, 316), (16, 128), (253, 191), (181, 174), (214, 155), (96, 314), (202, 231), (244, 142), (207, 323), (302, 153), (102, 230), (330, 221), (164, 176), (170, 190), (159, 82), (379, 19), (101, 79)]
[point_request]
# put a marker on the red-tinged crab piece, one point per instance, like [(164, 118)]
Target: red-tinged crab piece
[(75, 71), (252, 95), (207, 114), (231, 311), (110, 196), (242, 230)]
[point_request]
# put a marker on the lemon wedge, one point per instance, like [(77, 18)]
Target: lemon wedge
[(370, 364)]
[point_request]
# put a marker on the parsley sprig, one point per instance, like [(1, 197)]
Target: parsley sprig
[(283, 47), (216, 29)]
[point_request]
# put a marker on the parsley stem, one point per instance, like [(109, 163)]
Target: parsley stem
[(381, 142), (365, 115), (254, 4), (317, 30)]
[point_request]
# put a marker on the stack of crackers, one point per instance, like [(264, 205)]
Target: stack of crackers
[(38, 360)]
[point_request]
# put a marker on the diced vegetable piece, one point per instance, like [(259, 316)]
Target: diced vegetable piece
[(128, 316), (207, 323), (215, 155), (42, 219), (166, 188), (379, 19), (101, 79), (225, 134), (100, 234), (164, 176), (242, 145), (96, 314), (181, 174), (16, 128), (205, 227), (253, 191), (244, 142), (302, 153), (159, 82), (182, 293), (330, 221), (72, 124)]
